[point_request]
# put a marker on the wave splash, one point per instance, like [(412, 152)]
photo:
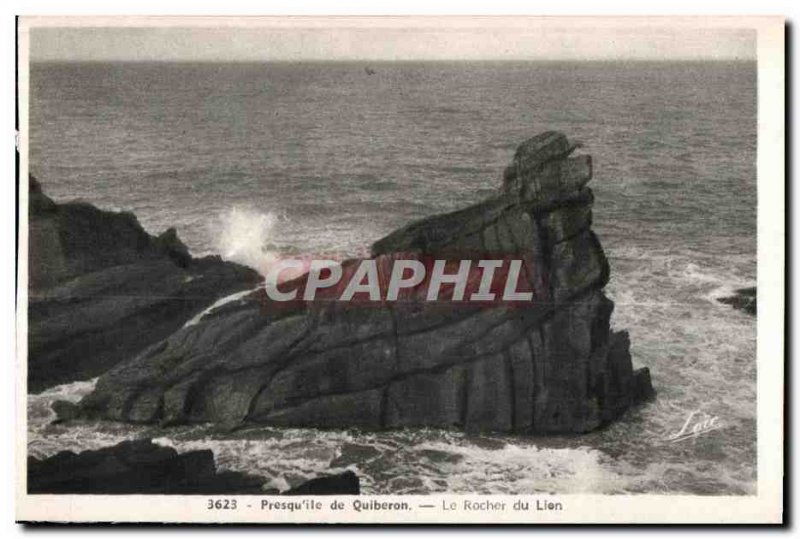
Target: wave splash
[(245, 236)]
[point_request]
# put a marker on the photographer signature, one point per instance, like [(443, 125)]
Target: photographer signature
[(697, 423)]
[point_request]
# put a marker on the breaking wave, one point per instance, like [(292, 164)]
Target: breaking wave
[(246, 236)]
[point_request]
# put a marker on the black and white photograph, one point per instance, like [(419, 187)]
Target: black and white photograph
[(400, 269)]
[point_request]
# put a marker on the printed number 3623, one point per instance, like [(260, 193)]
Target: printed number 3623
[(221, 504)]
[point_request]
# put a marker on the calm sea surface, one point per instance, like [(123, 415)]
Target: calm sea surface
[(247, 160)]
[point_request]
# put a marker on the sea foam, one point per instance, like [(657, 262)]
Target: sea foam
[(245, 235)]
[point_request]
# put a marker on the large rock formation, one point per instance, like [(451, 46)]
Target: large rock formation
[(101, 289), (550, 365)]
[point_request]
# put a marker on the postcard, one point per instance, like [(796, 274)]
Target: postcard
[(401, 270)]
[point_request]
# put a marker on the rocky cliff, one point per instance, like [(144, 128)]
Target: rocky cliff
[(550, 365), (101, 289)]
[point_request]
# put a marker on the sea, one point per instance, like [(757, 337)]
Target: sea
[(254, 160)]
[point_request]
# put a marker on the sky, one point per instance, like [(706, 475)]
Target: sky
[(392, 41)]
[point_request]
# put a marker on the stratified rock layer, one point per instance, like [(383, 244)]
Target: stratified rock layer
[(551, 365), (101, 289)]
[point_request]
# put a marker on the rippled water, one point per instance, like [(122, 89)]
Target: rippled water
[(251, 160)]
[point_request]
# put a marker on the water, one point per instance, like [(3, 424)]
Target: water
[(258, 160)]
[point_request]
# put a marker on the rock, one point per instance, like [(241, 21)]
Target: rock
[(101, 289), (66, 411), (344, 483), (40, 204), (642, 385), (550, 365), (743, 299), (434, 455), (136, 467), (354, 454), (142, 467), (169, 243)]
